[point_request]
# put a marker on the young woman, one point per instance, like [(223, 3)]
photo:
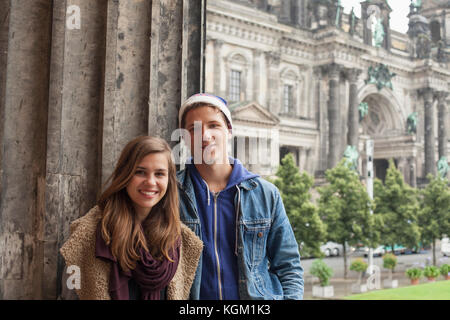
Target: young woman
[(131, 245)]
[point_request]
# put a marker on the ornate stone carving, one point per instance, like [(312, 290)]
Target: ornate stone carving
[(380, 76)]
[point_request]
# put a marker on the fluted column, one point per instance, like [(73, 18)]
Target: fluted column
[(353, 114), (412, 172), (23, 125), (441, 97), (333, 115), (430, 158), (218, 66)]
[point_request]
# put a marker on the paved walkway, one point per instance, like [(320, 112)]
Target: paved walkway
[(343, 287)]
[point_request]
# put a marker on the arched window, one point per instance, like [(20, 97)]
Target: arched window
[(290, 93), (237, 67)]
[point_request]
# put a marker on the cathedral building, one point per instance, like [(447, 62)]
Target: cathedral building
[(302, 76)]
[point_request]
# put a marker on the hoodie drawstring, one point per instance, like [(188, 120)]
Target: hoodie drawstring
[(207, 188), (237, 221)]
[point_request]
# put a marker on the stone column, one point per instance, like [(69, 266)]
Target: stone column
[(218, 67), (273, 99), (353, 113), (430, 158), (334, 132), (256, 75), (70, 96), (412, 172), (24, 101), (322, 118), (441, 97), (401, 165)]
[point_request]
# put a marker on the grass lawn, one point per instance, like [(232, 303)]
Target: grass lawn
[(439, 290)]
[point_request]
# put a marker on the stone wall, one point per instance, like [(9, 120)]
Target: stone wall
[(78, 79)]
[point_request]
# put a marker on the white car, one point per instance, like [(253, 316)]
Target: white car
[(377, 252), (445, 247), (333, 249)]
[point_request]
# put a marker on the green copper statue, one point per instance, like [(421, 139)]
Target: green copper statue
[(442, 167), (351, 155), (378, 34), (338, 13), (380, 76), (411, 123), (363, 109), (352, 21), (416, 3)]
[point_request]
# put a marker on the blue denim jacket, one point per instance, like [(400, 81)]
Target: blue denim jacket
[(268, 256)]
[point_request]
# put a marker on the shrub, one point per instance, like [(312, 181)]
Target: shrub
[(445, 269), (431, 272), (358, 265), (389, 261), (320, 270), (414, 273)]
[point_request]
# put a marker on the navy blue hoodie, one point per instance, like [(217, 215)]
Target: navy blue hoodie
[(217, 212)]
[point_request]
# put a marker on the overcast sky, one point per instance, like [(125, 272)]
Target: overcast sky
[(400, 10)]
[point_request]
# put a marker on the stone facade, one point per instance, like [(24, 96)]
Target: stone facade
[(308, 66), (79, 79)]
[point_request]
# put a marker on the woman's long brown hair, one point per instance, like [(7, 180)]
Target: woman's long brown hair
[(118, 224)]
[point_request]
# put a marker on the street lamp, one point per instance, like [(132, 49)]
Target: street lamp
[(369, 153)]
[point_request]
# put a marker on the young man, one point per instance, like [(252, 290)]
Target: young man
[(250, 251)]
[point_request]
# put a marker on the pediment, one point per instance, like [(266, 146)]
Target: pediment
[(253, 112)]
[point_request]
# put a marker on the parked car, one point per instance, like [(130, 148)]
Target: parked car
[(398, 249), (333, 249), (377, 252), (445, 247)]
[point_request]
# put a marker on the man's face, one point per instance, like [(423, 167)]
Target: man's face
[(209, 135)]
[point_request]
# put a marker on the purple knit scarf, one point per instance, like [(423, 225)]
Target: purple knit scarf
[(150, 274)]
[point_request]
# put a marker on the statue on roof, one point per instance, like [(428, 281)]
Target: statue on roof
[(352, 21), (378, 35)]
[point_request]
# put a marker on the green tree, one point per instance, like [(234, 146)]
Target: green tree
[(344, 206), (397, 205), (295, 189), (434, 216)]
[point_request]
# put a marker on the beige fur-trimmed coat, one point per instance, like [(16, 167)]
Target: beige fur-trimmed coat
[(79, 250)]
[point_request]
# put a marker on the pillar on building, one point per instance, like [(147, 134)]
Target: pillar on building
[(273, 66), (429, 137), (441, 97), (72, 96), (256, 74), (353, 112), (412, 172), (334, 131), (403, 167), (218, 44), (322, 118)]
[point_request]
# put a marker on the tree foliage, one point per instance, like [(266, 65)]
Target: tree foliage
[(396, 203), (434, 216), (344, 206), (302, 213)]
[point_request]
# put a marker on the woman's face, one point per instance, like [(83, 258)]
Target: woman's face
[(149, 183)]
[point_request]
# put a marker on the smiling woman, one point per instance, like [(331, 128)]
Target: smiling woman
[(128, 247)]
